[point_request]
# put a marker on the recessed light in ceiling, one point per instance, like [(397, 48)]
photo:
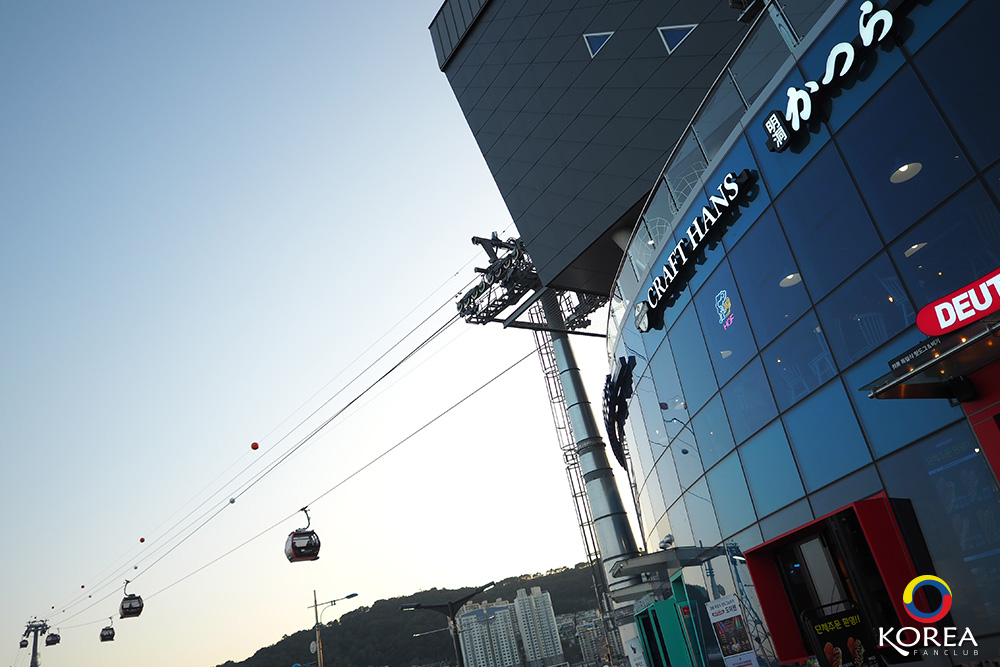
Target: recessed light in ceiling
[(790, 279), (726, 353), (906, 172), (913, 249)]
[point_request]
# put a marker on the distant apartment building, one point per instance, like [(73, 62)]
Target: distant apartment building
[(539, 632), (488, 636)]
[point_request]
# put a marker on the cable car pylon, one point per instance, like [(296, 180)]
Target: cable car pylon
[(34, 628)]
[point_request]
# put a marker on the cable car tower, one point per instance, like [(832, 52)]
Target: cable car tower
[(34, 629), (553, 314)]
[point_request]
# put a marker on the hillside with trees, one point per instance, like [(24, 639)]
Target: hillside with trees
[(382, 635)]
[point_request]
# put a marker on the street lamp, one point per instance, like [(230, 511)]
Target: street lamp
[(315, 607), (449, 609)]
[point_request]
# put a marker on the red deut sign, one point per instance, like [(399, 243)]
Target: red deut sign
[(972, 302)]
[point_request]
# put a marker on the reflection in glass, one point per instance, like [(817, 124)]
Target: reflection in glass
[(865, 312), (832, 240), (769, 279), (715, 440), (950, 260), (748, 401), (685, 170), (798, 362), (686, 456), (693, 364), (680, 523), (904, 163), (732, 499), (825, 437), (719, 115), (670, 487), (724, 323), (771, 473), (702, 513)]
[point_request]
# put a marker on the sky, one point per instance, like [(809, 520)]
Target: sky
[(215, 216)]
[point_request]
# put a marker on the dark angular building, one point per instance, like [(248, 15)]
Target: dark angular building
[(806, 311)]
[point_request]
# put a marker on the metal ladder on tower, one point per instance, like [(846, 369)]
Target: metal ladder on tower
[(567, 443)]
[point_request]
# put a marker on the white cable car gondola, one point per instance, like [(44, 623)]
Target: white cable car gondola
[(108, 632), (52, 639), (131, 605), (302, 543)]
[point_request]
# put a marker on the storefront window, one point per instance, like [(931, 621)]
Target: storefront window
[(798, 362), (770, 469), (748, 401), (865, 312), (971, 40), (770, 282), (954, 246), (893, 423), (825, 437), (956, 499), (832, 238), (904, 163), (724, 323), (732, 499), (691, 357), (711, 425)]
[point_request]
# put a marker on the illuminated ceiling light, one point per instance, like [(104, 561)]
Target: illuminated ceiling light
[(909, 252), (906, 172), (977, 450), (890, 300), (790, 279), (650, 242), (725, 353)]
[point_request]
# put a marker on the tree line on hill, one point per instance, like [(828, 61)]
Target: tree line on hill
[(382, 635)]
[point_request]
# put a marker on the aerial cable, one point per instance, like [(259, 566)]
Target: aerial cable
[(353, 474)]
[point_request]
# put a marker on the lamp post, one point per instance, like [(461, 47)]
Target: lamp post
[(449, 609), (315, 607)]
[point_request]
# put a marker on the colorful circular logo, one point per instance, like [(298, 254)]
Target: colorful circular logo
[(933, 582)]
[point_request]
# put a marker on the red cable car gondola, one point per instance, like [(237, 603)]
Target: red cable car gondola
[(302, 543), (131, 605)]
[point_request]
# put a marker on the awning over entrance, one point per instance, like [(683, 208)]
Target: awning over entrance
[(937, 368)]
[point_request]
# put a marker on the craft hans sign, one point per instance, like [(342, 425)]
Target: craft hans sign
[(965, 306), (678, 266)]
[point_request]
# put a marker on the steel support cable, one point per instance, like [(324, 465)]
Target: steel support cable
[(122, 569), (353, 474)]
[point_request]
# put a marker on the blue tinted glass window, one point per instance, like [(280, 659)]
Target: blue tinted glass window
[(928, 19), (667, 472), (669, 392), (656, 504), (993, 179), (684, 449), (630, 344), (680, 523), (798, 362), (770, 282), (904, 163), (954, 495), (846, 490), (954, 246), (748, 401), (652, 419), (732, 499), (892, 423), (702, 513), (872, 67), (786, 520), (691, 357), (827, 226), (749, 206), (780, 168), (956, 65), (770, 470), (715, 440), (865, 312), (724, 322), (825, 437), (638, 442)]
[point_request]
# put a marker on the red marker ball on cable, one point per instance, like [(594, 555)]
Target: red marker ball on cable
[(142, 539), (254, 446)]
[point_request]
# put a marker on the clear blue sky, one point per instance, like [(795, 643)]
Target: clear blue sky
[(209, 211)]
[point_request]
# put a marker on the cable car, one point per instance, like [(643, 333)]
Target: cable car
[(107, 634), (131, 605), (24, 643), (52, 639), (302, 543)]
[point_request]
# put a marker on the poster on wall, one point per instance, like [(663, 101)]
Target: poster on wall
[(842, 640), (633, 649), (731, 632)]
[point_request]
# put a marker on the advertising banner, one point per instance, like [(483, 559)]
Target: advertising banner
[(843, 640), (633, 649), (731, 632)]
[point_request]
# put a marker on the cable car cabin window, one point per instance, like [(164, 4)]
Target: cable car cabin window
[(302, 546)]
